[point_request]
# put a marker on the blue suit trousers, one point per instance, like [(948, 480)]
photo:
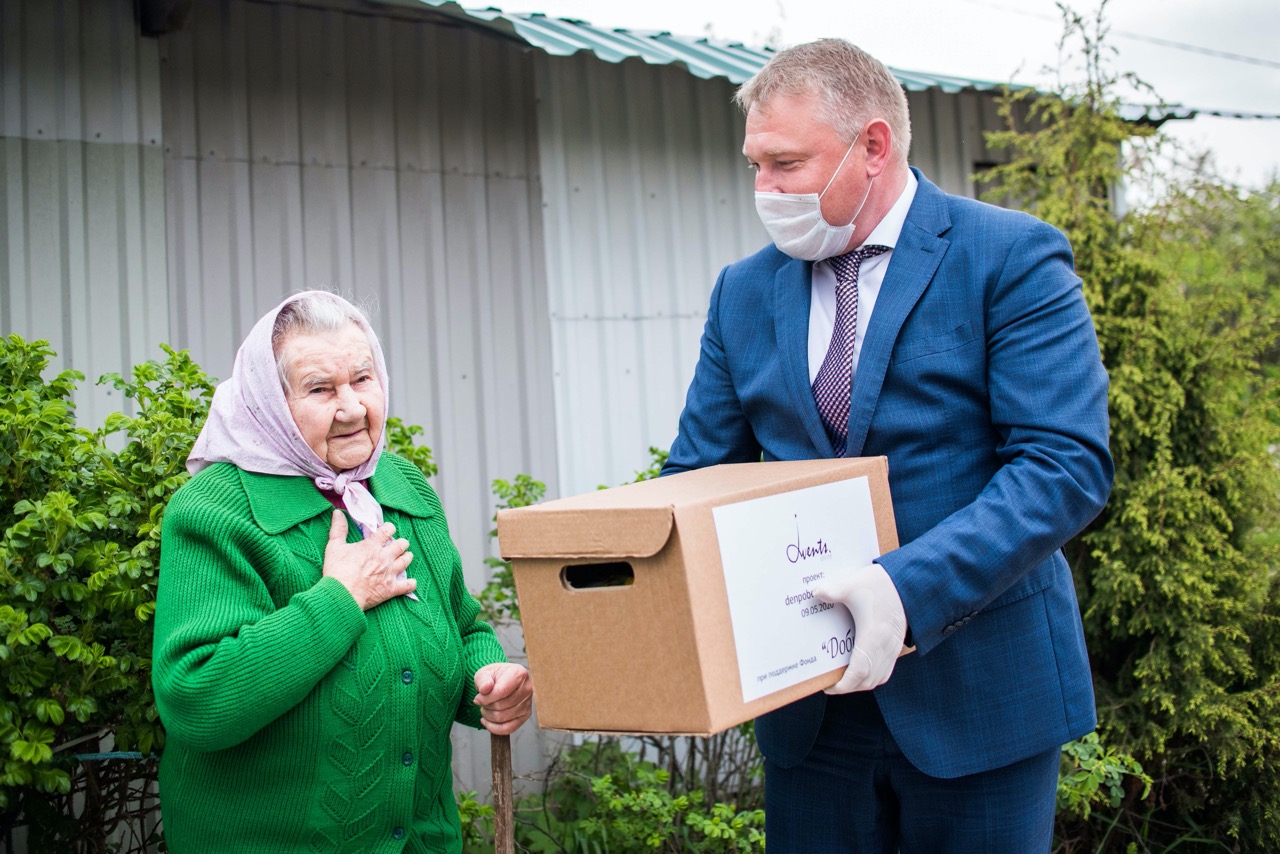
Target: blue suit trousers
[(856, 792)]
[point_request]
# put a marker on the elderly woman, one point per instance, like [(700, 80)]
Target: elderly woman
[(314, 642)]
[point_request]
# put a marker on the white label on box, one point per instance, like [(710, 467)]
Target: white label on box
[(774, 549)]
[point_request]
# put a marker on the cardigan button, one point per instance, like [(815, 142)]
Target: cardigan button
[(406, 677), (407, 759), (398, 833)]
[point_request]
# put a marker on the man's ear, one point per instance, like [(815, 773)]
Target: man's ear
[(878, 139)]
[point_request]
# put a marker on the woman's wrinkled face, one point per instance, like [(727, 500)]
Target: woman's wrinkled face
[(334, 394)]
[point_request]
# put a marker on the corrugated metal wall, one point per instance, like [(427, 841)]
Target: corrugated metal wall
[(646, 198), (947, 141), (82, 221)]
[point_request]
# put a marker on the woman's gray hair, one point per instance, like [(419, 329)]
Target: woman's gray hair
[(852, 86), (310, 314)]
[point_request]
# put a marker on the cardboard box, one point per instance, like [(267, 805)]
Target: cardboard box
[(627, 612)]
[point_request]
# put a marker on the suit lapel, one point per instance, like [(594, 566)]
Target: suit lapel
[(792, 293), (915, 260)]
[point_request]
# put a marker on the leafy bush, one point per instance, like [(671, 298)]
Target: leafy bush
[(601, 797), (402, 440), (78, 563), (498, 605), (1094, 774)]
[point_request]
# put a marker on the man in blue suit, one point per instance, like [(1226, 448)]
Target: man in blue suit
[(950, 336)]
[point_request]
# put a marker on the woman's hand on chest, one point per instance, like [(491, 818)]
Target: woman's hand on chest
[(369, 569)]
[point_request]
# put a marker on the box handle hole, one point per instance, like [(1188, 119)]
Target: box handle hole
[(590, 576)]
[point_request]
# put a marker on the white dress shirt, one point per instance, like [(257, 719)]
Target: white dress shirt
[(822, 303)]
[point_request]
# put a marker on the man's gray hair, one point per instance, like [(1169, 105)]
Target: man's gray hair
[(852, 87), (310, 314)]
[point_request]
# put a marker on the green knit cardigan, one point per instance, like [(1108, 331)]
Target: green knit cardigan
[(295, 721)]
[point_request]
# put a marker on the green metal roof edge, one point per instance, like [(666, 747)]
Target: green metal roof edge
[(708, 58), (702, 57)]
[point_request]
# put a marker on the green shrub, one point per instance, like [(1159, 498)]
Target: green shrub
[(402, 438), (78, 562), (1094, 774), (602, 797), (498, 605)]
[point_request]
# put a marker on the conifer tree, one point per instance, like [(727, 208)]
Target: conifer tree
[(1176, 578)]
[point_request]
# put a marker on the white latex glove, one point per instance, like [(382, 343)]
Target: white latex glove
[(879, 625)]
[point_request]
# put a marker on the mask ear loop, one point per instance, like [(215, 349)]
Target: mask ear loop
[(865, 196), (870, 183), (847, 152)]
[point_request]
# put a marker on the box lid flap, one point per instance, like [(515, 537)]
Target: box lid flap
[(543, 531)]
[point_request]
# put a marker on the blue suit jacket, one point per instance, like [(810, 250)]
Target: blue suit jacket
[(980, 380)]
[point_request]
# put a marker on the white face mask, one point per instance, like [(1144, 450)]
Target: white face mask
[(796, 224)]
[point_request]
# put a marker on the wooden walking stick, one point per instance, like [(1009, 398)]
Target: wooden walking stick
[(504, 841)]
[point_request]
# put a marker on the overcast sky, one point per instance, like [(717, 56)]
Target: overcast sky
[(1003, 40)]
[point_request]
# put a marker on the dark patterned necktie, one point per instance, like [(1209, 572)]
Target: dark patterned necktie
[(832, 387)]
